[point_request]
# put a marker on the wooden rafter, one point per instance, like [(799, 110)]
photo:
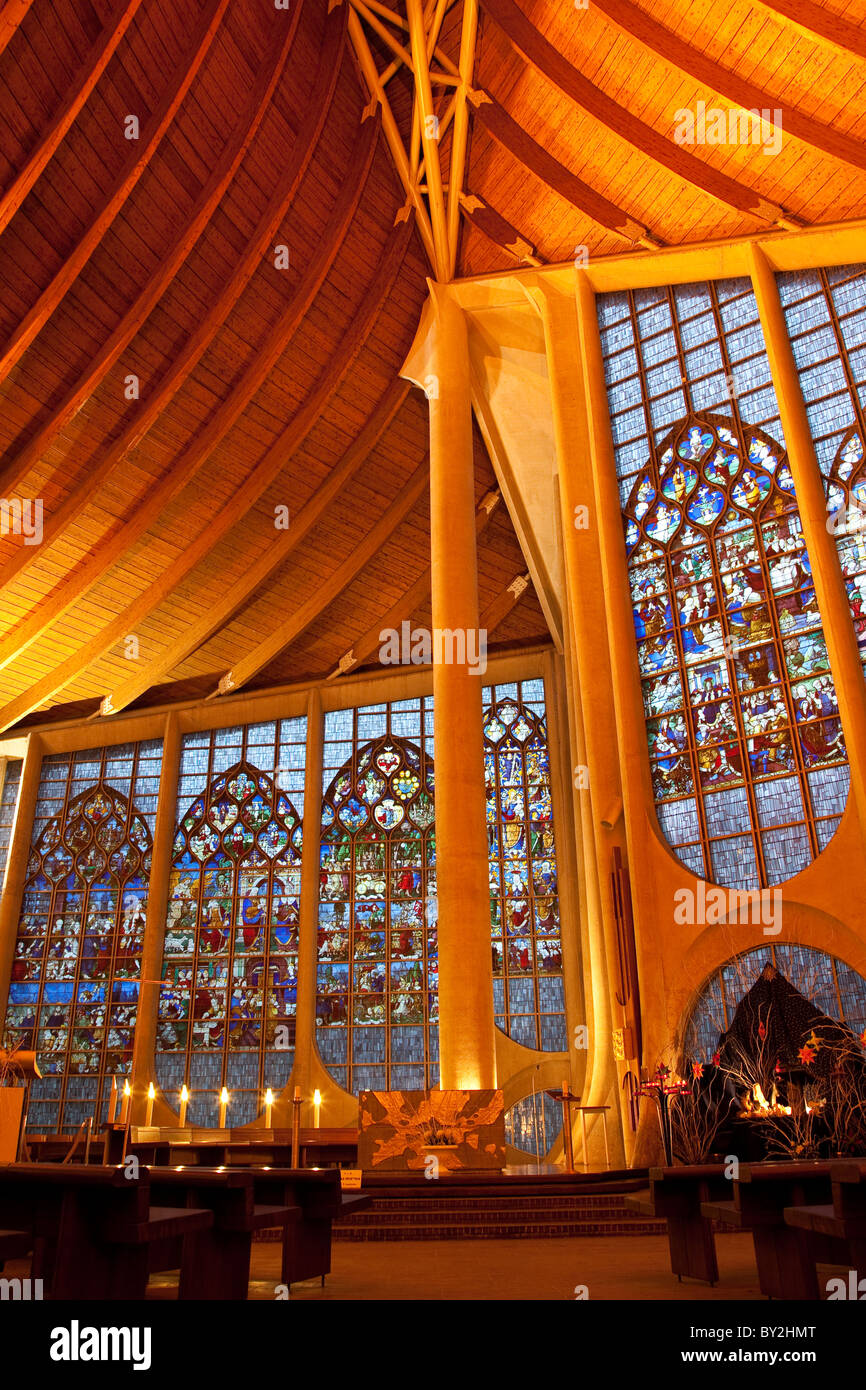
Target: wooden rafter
[(183, 470), (249, 665), (177, 87), (497, 611), (429, 138), (80, 88), (146, 602), (497, 229), (540, 162), (408, 602), (690, 60), (816, 21), (98, 468), (222, 610), (170, 263), (536, 49), (12, 12)]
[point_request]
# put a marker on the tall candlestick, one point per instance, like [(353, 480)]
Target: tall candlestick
[(269, 1105), (565, 1088), (184, 1102), (112, 1101), (151, 1096), (297, 1093), (317, 1107), (224, 1100), (124, 1104)]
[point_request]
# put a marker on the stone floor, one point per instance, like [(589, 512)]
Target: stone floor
[(622, 1267)]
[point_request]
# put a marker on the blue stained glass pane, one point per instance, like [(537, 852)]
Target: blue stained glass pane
[(733, 862), (727, 812), (786, 852)]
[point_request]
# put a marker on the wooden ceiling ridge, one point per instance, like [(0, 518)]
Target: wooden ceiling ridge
[(286, 633), (12, 12), (815, 20), (268, 468), (221, 612), (537, 50), (152, 404), (177, 87), (408, 602), (181, 472), (690, 60), (545, 166), (189, 232), (79, 90)]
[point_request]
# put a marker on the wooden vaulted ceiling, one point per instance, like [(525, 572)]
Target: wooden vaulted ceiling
[(167, 389)]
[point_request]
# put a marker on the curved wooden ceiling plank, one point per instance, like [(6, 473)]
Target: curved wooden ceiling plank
[(170, 264), (265, 471), (92, 569), (153, 404), (12, 13), (223, 610), (88, 76), (569, 186), (177, 87), (663, 41), (300, 620), (537, 50), (821, 23), (408, 601)]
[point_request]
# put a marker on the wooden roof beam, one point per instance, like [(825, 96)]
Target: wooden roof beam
[(285, 542), (429, 127), (269, 467), (170, 263), (534, 157), (497, 611), (12, 12), (460, 139), (691, 61), (820, 23), (249, 665), (537, 50), (81, 87), (408, 602), (99, 467), (91, 570), (178, 85)]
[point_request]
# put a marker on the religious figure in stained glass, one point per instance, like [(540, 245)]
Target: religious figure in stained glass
[(846, 503), (377, 945), (736, 682), (77, 965), (229, 974)]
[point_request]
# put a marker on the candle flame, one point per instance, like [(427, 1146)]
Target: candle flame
[(151, 1093), (127, 1089), (269, 1096), (224, 1096), (317, 1098), (184, 1093)]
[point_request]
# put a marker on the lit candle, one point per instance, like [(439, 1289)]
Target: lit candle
[(124, 1104), (269, 1105), (151, 1096), (224, 1100), (184, 1102), (317, 1106), (112, 1101), (297, 1093)]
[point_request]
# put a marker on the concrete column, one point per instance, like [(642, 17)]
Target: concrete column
[(16, 865), (308, 1071)]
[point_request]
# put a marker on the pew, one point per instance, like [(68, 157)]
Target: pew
[(676, 1196), (785, 1257), (90, 1227), (843, 1219), (14, 1245), (317, 1192), (217, 1266)]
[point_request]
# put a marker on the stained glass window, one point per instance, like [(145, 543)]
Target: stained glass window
[(825, 312), (524, 901), (748, 763), (377, 998), (8, 802), (831, 985), (77, 965), (228, 997)]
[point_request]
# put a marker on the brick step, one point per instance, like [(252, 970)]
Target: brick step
[(497, 1202), (374, 1215), (499, 1230)]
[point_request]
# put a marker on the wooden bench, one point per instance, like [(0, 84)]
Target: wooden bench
[(843, 1219), (785, 1258), (90, 1227), (676, 1196), (215, 1263), (317, 1192), (14, 1245)]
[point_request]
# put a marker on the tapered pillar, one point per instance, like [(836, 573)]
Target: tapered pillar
[(466, 1028), (144, 1045), (16, 865), (305, 1020), (832, 598)]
